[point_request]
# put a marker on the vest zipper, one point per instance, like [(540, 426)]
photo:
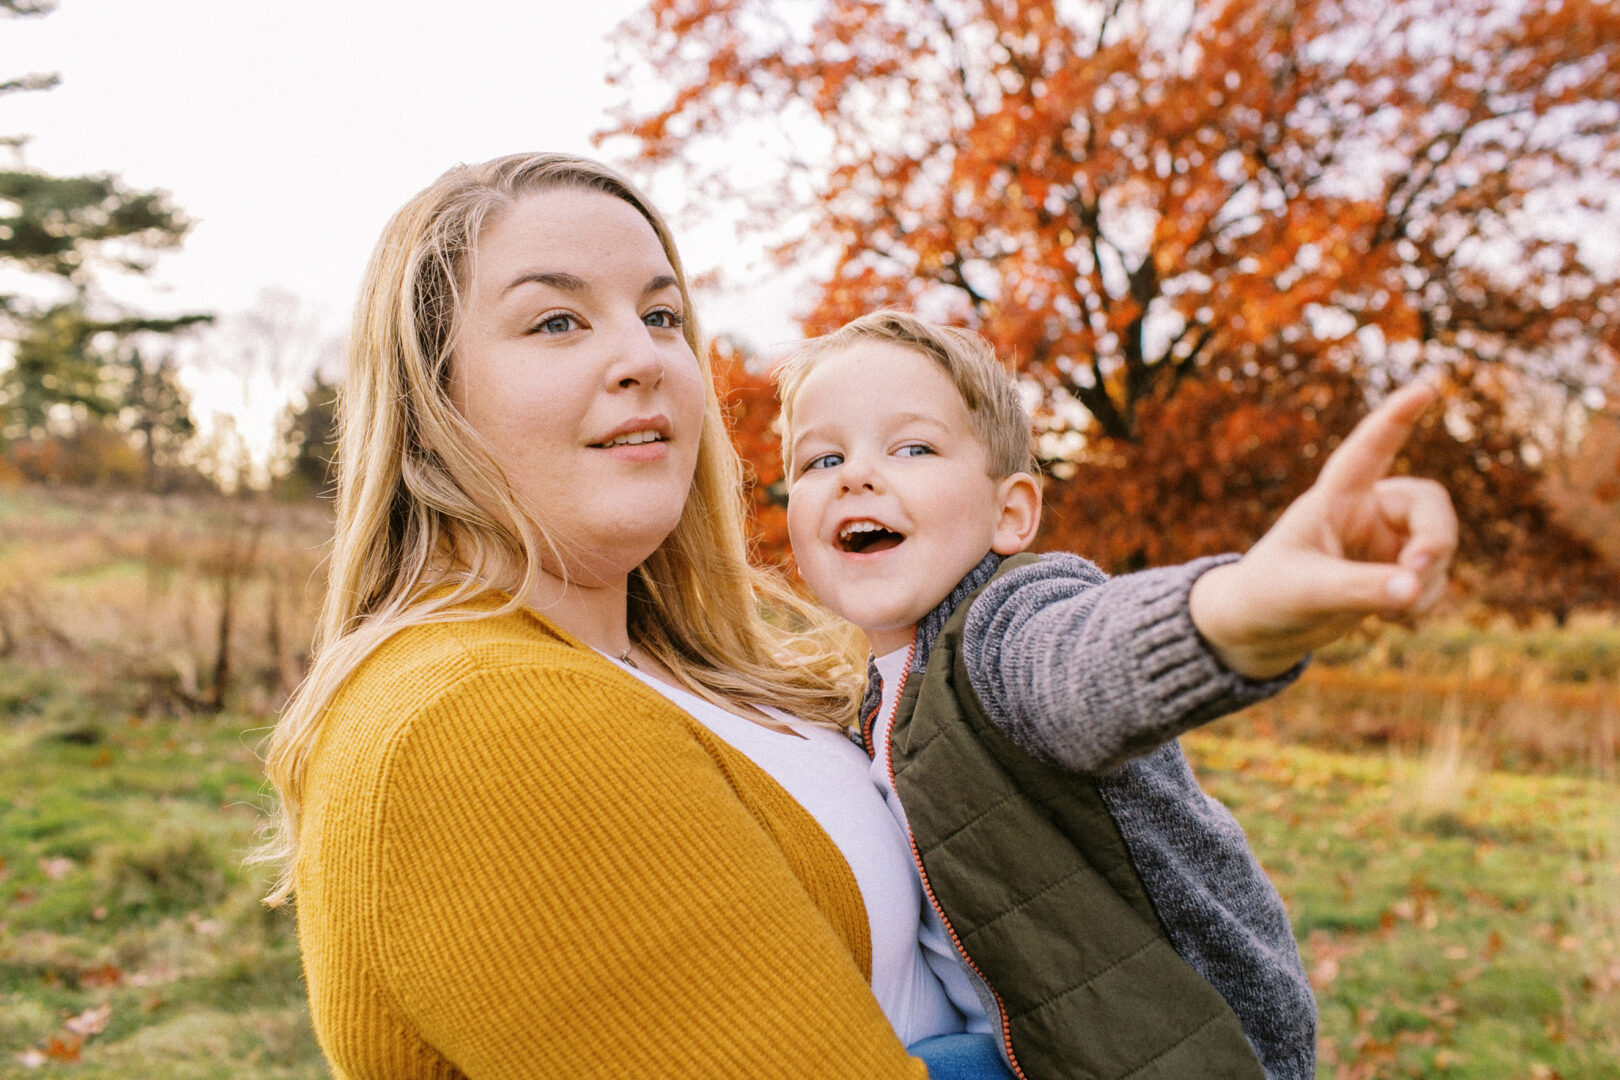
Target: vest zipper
[(916, 857)]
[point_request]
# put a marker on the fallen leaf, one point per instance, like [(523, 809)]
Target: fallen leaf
[(64, 1049), (91, 1021), (56, 867), (105, 975)]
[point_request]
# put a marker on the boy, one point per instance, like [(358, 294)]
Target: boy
[(1101, 915)]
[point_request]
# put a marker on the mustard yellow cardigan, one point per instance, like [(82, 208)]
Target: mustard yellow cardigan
[(516, 860)]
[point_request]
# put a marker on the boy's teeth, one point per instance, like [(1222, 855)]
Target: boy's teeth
[(866, 537)]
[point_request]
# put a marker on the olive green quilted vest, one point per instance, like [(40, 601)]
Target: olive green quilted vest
[(1039, 891)]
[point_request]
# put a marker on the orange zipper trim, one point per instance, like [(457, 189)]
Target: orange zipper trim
[(916, 857)]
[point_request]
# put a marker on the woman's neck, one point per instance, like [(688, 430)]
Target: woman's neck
[(595, 613), (591, 607)]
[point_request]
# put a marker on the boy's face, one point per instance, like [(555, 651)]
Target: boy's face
[(890, 501)]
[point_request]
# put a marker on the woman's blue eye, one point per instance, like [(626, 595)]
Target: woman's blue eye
[(663, 319), (914, 450), (556, 324), (824, 461)]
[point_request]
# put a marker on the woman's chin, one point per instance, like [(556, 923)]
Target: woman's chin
[(607, 562)]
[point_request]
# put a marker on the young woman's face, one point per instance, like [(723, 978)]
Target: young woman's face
[(572, 364)]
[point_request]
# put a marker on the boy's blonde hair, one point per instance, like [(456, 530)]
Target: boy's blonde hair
[(426, 523), (988, 389)]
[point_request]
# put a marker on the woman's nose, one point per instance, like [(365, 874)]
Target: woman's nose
[(636, 359)]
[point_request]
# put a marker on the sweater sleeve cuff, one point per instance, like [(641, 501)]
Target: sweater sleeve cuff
[(1180, 673)]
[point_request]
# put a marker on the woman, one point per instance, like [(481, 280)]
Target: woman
[(516, 847)]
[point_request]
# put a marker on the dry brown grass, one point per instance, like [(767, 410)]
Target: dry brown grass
[(196, 598), (1505, 711)]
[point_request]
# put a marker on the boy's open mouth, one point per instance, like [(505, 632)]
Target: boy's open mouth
[(864, 537)]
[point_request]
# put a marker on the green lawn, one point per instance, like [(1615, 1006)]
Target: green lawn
[(1455, 922), (132, 942)]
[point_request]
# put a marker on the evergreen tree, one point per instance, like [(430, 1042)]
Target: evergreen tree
[(156, 411), (65, 372), (307, 441)]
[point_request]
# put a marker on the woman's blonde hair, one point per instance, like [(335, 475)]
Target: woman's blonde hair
[(988, 389), (422, 504)]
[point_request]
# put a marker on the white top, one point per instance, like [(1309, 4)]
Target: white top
[(826, 774), (940, 953)]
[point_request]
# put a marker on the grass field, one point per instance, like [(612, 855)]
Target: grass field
[(1440, 809), (133, 942), (1454, 923)]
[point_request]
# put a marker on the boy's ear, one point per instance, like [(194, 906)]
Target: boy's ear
[(1019, 499)]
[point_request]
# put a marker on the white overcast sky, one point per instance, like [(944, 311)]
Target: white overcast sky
[(291, 130)]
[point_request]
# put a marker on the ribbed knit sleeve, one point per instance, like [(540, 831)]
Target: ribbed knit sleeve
[(1088, 671), (554, 873)]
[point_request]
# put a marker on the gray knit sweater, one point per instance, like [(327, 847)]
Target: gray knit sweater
[(1100, 675)]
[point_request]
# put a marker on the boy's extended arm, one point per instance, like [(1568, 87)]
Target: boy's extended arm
[(1088, 671)]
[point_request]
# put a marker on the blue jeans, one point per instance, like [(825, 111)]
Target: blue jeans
[(961, 1057)]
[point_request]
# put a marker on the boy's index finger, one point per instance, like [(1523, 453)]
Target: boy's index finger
[(1366, 454)]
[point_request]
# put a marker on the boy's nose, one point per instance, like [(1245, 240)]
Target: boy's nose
[(858, 475)]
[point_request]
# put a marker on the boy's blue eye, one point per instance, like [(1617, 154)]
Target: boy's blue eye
[(914, 450), (824, 461)]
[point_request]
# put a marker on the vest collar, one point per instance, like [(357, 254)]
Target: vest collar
[(928, 629)]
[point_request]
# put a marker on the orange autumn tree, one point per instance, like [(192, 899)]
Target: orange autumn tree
[(749, 401), (1209, 231)]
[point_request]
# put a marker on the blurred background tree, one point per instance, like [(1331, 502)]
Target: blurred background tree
[(306, 440), (750, 402), (1208, 233), (69, 382), (156, 411)]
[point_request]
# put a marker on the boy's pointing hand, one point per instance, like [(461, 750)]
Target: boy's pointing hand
[(1358, 542)]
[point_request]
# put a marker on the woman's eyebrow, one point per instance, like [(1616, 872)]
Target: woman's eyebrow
[(557, 279), (561, 279)]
